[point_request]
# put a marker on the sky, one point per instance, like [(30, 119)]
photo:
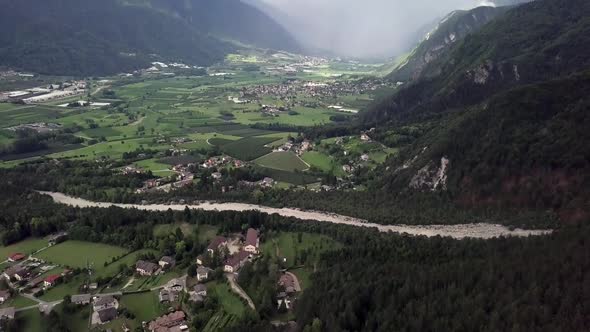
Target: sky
[(361, 28)]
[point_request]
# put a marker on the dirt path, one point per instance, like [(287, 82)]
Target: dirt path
[(480, 230), (238, 290), (296, 281)]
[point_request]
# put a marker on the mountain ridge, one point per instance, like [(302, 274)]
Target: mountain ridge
[(69, 37)]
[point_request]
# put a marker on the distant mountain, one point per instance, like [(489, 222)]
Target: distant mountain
[(503, 121), (450, 30), (86, 37)]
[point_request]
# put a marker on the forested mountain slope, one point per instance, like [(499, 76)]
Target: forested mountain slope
[(504, 122), (84, 37), (450, 30)]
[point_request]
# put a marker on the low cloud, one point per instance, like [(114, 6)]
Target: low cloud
[(367, 28)]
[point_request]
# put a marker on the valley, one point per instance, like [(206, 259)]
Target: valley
[(265, 166)]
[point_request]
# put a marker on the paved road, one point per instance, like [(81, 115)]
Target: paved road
[(480, 230), (238, 290)]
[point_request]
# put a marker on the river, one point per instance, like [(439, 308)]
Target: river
[(479, 230)]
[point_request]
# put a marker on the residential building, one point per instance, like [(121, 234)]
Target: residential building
[(200, 289), (217, 243), (176, 285), (51, 280), (236, 261), (168, 322), (203, 273), (167, 262), (145, 268), (166, 296), (11, 271), (81, 299), (105, 302), (252, 241), (104, 316), (15, 257)]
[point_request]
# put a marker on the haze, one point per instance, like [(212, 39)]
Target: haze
[(368, 28)]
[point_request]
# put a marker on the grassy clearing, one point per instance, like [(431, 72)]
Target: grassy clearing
[(78, 254), (27, 246), (285, 161), (145, 306), (319, 160), (158, 169), (206, 232), (18, 302), (291, 245)]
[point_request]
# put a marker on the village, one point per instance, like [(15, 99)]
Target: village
[(180, 291)]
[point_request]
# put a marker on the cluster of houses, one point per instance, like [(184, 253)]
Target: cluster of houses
[(233, 261), (298, 148), (146, 268)]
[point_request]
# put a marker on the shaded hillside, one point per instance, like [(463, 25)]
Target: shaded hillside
[(85, 37), (526, 148), (450, 30), (502, 120)]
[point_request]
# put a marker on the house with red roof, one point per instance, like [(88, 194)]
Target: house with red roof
[(15, 257), (51, 280), (252, 241)]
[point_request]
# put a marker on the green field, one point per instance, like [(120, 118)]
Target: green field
[(79, 254), (18, 302), (27, 246), (319, 160), (248, 148), (145, 306), (289, 246), (206, 232), (285, 161)]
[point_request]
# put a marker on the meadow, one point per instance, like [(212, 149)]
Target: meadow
[(27, 247), (285, 161), (290, 245), (79, 254)]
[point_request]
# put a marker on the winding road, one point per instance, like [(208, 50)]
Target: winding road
[(479, 230)]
